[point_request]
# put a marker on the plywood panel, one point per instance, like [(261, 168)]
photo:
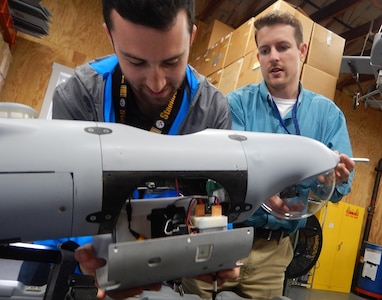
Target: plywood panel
[(77, 25), (365, 130), (76, 35)]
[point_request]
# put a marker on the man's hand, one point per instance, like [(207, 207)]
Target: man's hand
[(343, 169), (221, 276), (283, 206), (89, 263), (278, 205)]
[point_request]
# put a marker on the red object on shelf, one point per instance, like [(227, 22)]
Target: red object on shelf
[(6, 23)]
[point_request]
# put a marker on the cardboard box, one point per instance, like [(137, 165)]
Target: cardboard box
[(196, 62), (325, 50), (200, 63), (229, 77), (250, 71), (318, 81), (242, 42), (215, 78), (201, 26), (209, 35), (214, 58), (306, 22)]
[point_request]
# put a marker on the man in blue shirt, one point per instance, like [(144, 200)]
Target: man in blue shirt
[(279, 104)]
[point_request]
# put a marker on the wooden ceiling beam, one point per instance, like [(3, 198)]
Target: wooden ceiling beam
[(250, 11), (211, 7), (362, 30), (334, 9)]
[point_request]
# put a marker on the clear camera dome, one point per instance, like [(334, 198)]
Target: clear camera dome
[(302, 199)]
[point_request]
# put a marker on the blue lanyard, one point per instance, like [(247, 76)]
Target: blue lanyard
[(294, 118), (190, 90)]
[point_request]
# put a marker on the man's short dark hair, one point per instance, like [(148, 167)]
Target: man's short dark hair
[(280, 17), (158, 14)]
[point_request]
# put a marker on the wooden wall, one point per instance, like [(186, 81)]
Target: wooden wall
[(76, 36), (365, 130)]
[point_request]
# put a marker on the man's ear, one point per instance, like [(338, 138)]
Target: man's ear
[(193, 33), (303, 52)]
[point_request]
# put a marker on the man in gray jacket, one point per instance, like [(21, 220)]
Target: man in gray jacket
[(147, 84)]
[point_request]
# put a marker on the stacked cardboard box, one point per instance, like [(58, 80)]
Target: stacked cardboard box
[(250, 70), (241, 52), (230, 75), (207, 35), (215, 78), (242, 42), (232, 62), (322, 67), (212, 59)]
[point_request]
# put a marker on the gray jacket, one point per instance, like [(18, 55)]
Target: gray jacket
[(82, 98)]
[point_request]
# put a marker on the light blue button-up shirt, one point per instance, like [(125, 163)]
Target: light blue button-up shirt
[(317, 117)]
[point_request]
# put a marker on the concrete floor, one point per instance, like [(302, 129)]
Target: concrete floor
[(302, 293), (9, 271)]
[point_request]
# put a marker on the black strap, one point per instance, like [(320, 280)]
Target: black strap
[(82, 287), (127, 111), (58, 284)]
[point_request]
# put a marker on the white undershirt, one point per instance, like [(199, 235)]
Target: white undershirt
[(284, 105)]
